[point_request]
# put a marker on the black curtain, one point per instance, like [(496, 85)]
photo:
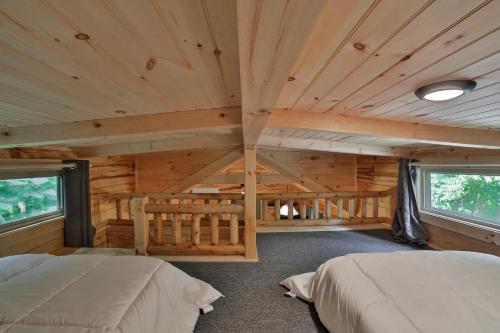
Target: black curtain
[(78, 229), (406, 226)]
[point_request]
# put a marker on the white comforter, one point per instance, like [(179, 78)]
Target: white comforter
[(94, 293), (414, 291)]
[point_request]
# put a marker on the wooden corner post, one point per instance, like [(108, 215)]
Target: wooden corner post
[(250, 202), (141, 224)]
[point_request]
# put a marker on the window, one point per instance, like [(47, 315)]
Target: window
[(473, 196), (26, 200)]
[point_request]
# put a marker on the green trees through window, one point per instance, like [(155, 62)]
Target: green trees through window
[(468, 194), (28, 197)]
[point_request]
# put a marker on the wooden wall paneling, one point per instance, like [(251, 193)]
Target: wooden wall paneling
[(448, 240), (108, 175), (44, 237)]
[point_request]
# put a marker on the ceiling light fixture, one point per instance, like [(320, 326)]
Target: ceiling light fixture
[(445, 90)]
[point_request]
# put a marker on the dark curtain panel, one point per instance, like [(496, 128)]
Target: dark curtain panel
[(78, 229), (406, 225)]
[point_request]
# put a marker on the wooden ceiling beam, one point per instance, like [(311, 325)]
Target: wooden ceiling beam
[(330, 146), (414, 132), (74, 132), (272, 34), (197, 141)]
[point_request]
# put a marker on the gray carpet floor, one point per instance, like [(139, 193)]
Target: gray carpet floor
[(255, 302)]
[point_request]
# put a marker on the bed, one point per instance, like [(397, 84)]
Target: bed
[(96, 293), (413, 291)]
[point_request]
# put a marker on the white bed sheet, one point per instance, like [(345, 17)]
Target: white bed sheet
[(95, 293), (413, 291)]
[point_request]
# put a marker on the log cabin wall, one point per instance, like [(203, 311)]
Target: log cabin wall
[(108, 175), (156, 172), (47, 237), (377, 173)]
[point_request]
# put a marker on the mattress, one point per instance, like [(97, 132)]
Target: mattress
[(413, 291), (96, 293)]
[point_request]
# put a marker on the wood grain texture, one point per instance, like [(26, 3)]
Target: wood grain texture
[(267, 58), (46, 237), (108, 175)]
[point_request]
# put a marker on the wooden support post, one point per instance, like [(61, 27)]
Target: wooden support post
[(315, 208), (177, 229), (363, 207), (141, 224), (265, 210), (277, 206), (250, 202), (303, 209), (375, 207), (233, 226), (290, 209), (214, 228), (340, 208), (328, 208), (352, 207), (195, 229), (118, 209)]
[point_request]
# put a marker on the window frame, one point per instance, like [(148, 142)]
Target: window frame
[(10, 226), (424, 194)]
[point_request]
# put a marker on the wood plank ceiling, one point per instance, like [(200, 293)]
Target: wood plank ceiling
[(362, 58)]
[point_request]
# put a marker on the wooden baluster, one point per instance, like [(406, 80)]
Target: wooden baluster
[(277, 206), (290, 209), (177, 228), (234, 230), (315, 209), (220, 203), (340, 208), (214, 228), (195, 229), (118, 209), (303, 209), (159, 228), (130, 210), (141, 225), (352, 208), (265, 210), (207, 202), (375, 207), (363, 207), (328, 208)]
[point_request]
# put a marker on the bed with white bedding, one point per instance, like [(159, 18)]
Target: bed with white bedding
[(95, 293), (413, 291)]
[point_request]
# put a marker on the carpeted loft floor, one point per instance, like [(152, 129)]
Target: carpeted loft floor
[(255, 302)]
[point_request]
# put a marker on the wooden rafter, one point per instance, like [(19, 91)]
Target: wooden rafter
[(329, 146), (285, 170), (194, 142), (271, 34), (453, 136), (199, 176), (74, 132)]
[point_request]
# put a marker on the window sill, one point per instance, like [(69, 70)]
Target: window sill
[(480, 232)]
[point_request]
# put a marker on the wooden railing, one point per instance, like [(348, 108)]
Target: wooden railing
[(184, 223), (330, 208)]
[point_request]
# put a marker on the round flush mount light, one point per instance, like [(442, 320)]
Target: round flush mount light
[(445, 90)]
